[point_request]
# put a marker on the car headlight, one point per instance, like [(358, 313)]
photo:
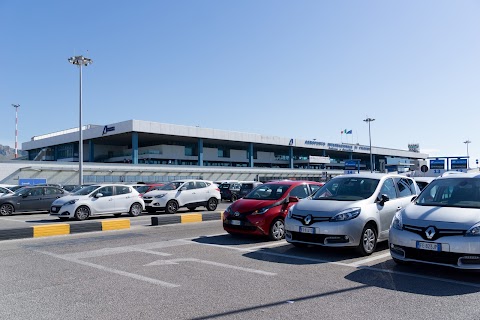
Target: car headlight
[(260, 211), (290, 210), (347, 214), (160, 196), (70, 202), (397, 221), (473, 231)]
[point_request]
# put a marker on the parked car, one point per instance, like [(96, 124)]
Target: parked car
[(183, 193), (263, 210), (246, 187), (353, 210), (144, 188), (422, 182), (6, 189), (442, 226), (229, 190), (30, 198), (97, 200)]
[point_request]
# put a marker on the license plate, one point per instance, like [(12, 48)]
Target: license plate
[(235, 222), (307, 230), (53, 209), (429, 246)]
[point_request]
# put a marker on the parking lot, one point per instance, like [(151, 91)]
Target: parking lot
[(197, 271)]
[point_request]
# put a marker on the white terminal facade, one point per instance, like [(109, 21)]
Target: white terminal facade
[(147, 144)]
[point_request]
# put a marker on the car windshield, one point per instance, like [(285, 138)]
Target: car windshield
[(141, 189), (86, 190), (20, 191), (174, 185), (15, 188), (347, 189), (268, 192), (454, 192)]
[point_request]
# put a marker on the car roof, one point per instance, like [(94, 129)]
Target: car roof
[(460, 175), (292, 182), (372, 175)]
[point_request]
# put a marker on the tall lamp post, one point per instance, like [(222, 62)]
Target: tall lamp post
[(368, 120), (80, 61), (468, 157), (16, 128)]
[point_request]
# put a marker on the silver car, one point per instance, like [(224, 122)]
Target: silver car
[(442, 226), (353, 210)]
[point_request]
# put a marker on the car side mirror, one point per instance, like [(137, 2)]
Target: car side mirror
[(382, 199), (292, 199), (99, 195), (24, 195)]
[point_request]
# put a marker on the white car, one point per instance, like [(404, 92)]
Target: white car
[(183, 193), (97, 200)]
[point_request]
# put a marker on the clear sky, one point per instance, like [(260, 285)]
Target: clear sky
[(295, 69)]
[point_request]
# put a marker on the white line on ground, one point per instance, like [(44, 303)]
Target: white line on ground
[(372, 258)]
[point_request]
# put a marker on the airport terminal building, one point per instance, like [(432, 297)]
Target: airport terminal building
[(149, 145)]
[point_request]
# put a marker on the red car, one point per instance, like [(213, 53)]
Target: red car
[(263, 210)]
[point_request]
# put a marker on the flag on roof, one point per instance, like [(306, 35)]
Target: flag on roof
[(346, 131)]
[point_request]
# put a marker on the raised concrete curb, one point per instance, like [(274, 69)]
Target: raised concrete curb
[(57, 229), (185, 218)]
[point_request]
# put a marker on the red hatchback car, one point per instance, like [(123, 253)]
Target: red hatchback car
[(263, 210)]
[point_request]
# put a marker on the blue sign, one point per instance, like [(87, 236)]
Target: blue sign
[(107, 129), (31, 182), (437, 164), (351, 165), (458, 164)]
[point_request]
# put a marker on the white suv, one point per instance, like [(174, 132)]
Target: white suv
[(183, 193), (98, 199)]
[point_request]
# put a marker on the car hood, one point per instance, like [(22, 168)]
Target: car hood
[(424, 216), (247, 205), (325, 208), (65, 199), (157, 192)]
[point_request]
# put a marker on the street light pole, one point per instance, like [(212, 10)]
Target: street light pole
[(370, 139), (468, 157), (80, 61), (16, 129)]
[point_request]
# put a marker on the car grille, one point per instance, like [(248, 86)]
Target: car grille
[(314, 238), (432, 256), (314, 219), (147, 200), (245, 224), (439, 233)]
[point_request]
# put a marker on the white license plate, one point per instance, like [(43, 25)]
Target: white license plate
[(429, 246), (307, 230), (235, 222)]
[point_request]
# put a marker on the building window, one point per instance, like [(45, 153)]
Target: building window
[(223, 152)]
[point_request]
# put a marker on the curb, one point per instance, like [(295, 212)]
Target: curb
[(57, 229), (48, 230)]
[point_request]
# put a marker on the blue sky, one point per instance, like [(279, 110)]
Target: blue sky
[(295, 69)]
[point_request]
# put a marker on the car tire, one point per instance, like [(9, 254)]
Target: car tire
[(82, 213), (212, 204), (234, 198), (191, 208), (6, 209), (368, 240), (135, 210), (171, 207), (277, 230)]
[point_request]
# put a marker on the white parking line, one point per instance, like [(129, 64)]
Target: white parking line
[(372, 258), (115, 271), (270, 245)]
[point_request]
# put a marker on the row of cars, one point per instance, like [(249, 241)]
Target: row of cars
[(99, 199), (439, 224)]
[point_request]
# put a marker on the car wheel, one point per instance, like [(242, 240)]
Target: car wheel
[(368, 240), (234, 198), (151, 210), (6, 209), (191, 208), (277, 230), (172, 207), (135, 209), (82, 213), (212, 204)]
